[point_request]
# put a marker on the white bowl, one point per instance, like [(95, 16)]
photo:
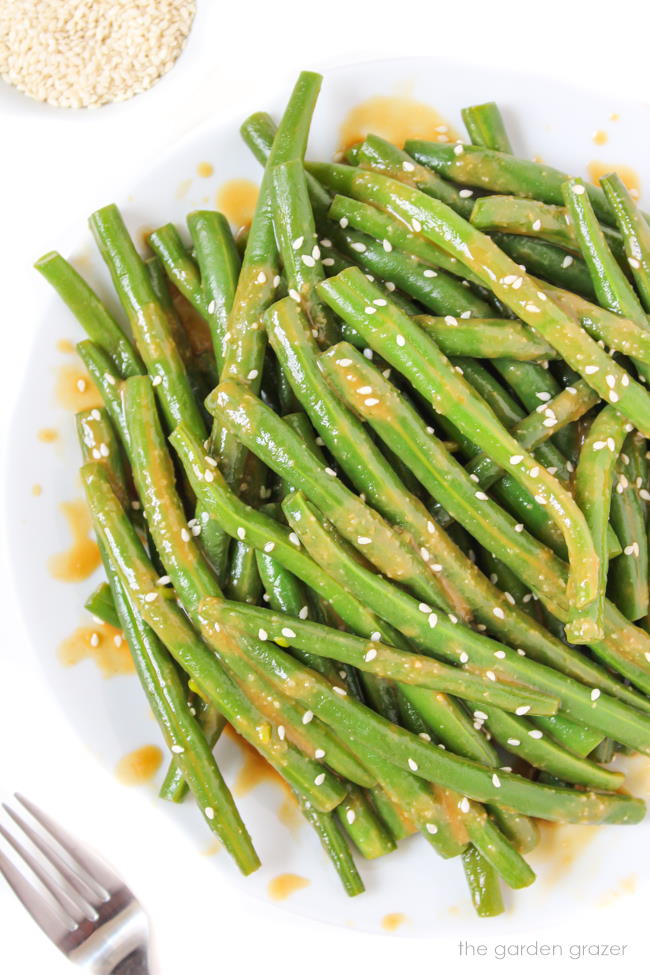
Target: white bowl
[(579, 868)]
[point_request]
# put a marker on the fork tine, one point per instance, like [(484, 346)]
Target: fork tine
[(101, 876), (63, 900), (85, 896), (35, 904)]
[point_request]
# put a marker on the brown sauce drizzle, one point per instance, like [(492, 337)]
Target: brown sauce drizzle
[(396, 118), (391, 922), (101, 643), (139, 766), (237, 200), (75, 390), (82, 558), (629, 176), (559, 847), (285, 885)]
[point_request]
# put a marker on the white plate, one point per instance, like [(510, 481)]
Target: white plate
[(544, 118)]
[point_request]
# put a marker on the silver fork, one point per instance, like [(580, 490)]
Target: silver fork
[(80, 903)]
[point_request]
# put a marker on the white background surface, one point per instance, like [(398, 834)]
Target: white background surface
[(57, 167)]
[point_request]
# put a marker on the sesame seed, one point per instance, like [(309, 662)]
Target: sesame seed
[(496, 781), (568, 261), (590, 370), (297, 243), (407, 166), (514, 742), (401, 341), (307, 717), (413, 765), (498, 612), (293, 538), (578, 189), (463, 805), (370, 655), (340, 691), (481, 495), (288, 632), (433, 620), (319, 779), (431, 828), (595, 694), (522, 709), (386, 244), (375, 636)]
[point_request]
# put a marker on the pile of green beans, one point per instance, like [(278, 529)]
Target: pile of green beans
[(393, 530)]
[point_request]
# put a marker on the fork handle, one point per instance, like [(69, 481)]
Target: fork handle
[(135, 963)]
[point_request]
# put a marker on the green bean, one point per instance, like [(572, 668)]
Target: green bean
[(594, 482), (376, 657), (628, 573), (449, 641), (485, 338), (364, 827), (148, 320), (295, 232), (392, 234), (634, 230), (90, 312), (485, 127), (501, 173), (513, 287), (610, 284), (327, 829), (139, 579), (100, 604), (190, 574), (437, 290), (548, 262), (513, 215), (159, 677), (219, 264), (179, 265), (408, 349), (408, 751), (272, 440), (517, 736), (381, 156), (483, 883)]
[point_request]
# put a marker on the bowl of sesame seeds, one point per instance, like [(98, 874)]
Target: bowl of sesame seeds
[(52, 546), (87, 53)]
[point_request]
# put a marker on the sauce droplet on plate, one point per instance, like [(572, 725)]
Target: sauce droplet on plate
[(75, 390), (139, 766), (48, 435), (205, 169), (82, 558), (237, 200), (285, 885), (37, 490), (629, 176), (559, 847), (100, 642), (391, 922), (396, 118), (599, 137), (65, 346)]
